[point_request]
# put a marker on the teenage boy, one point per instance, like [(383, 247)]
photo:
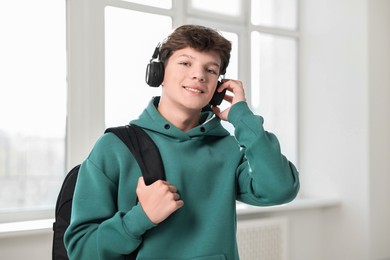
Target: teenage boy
[(191, 215)]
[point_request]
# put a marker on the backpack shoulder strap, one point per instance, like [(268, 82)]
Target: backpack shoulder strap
[(143, 149)]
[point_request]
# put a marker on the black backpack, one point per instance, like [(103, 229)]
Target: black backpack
[(148, 157)]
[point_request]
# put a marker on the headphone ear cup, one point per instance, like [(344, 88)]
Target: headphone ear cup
[(154, 73)]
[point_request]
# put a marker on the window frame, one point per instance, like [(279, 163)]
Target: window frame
[(85, 68)]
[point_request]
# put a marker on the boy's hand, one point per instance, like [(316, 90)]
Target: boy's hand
[(158, 200)]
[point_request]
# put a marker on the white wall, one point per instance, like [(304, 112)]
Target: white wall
[(34, 246), (335, 120), (344, 136), (379, 84), (344, 128)]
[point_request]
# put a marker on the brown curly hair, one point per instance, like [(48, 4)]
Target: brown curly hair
[(199, 38)]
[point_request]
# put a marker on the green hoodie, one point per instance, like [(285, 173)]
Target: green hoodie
[(211, 170)]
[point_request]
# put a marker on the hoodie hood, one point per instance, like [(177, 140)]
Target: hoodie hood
[(151, 119)]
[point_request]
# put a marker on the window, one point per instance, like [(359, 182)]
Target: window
[(128, 50), (107, 54), (274, 86), (274, 69), (230, 8), (275, 13), (167, 4), (32, 103)]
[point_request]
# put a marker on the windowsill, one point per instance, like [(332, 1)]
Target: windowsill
[(295, 205), (32, 227), (23, 228), (21, 222)]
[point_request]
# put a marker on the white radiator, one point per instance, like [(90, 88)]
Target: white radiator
[(263, 239)]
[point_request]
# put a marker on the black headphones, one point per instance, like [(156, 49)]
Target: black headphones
[(155, 69)]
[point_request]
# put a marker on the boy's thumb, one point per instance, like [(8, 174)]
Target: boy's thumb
[(141, 181)]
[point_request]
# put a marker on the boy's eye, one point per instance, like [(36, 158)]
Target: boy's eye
[(184, 63), (211, 71)]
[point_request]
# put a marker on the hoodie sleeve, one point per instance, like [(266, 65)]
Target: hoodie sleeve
[(265, 176), (98, 230)]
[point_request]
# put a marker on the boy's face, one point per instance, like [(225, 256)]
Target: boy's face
[(190, 78)]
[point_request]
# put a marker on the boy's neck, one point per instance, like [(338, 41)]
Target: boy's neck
[(185, 120)]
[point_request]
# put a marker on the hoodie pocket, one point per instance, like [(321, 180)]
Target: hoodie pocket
[(210, 257)]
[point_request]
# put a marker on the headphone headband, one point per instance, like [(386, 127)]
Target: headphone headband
[(156, 52)]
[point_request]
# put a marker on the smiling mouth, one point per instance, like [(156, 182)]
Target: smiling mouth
[(193, 90)]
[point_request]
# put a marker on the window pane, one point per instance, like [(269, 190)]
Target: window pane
[(166, 4), (231, 7), (232, 70), (274, 87), (128, 50), (275, 13), (32, 102)]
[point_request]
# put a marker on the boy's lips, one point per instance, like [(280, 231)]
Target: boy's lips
[(193, 89)]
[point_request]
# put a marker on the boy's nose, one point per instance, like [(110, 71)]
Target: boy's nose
[(198, 74)]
